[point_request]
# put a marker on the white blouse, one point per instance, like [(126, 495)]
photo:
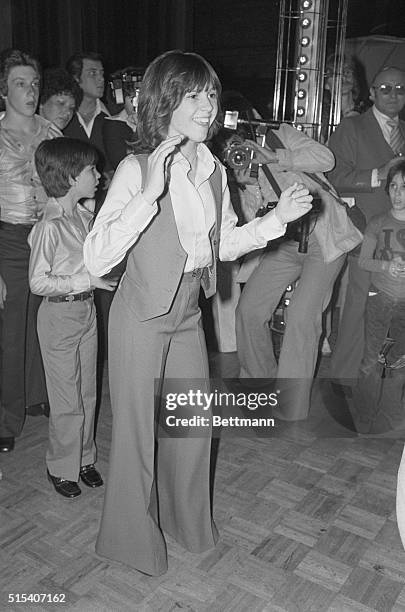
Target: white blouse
[(125, 214)]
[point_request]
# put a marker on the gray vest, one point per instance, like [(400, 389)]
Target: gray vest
[(156, 262)]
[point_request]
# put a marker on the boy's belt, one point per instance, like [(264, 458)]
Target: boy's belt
[(15, 227), (86, 295)]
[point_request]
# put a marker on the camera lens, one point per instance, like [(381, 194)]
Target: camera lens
[(239, 158), (237, 155)]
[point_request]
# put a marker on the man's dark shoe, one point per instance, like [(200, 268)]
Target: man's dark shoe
[(67, 488), (6, 445), (90, 476)]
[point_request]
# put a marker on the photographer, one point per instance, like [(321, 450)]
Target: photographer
[(291, 157), (119, 130)]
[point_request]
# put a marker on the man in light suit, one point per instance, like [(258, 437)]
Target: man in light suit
[(289, 157), (365, 147)]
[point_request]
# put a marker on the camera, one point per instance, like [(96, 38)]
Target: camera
[(126, 83), (238, 156)]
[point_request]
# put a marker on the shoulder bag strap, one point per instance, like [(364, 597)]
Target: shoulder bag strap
[(274, 142), (354, 213), (270, 177)]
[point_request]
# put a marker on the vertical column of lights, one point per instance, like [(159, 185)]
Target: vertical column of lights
[(306, 99), (305, 31)]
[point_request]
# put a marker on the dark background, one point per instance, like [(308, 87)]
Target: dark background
[(239, 37)]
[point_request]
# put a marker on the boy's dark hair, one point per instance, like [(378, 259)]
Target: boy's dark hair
[(167, 79), (60, 159), (10, 58), (74, 65), (58, 81), (398, 168)]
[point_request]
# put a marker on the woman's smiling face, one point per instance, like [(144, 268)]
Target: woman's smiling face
[(195, 115)]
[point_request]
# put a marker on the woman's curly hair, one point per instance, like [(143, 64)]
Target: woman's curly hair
[(58, 81), (167, 79)]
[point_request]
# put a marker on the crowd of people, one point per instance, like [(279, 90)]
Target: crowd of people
[(138, 207)]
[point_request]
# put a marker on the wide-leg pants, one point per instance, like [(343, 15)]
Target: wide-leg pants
[(22, 379), (349, 347), (154, 485), (259, 300), (68, 336)]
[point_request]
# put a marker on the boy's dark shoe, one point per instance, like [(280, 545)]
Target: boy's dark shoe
[(6, 445), (64, 487), (90, 476)]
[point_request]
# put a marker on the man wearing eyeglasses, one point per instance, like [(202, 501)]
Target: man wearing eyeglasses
[(365, 147)]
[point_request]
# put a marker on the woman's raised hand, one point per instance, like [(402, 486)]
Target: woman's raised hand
[(108, 284), (263, 155), (294, 202), (156, 178)]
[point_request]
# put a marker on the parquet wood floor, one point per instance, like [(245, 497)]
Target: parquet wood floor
[(306, 518)]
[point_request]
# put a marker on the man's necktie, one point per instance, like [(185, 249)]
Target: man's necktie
[(396, 139)]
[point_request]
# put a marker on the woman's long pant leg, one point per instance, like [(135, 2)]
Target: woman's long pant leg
[(129, 530), (184, 462)]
